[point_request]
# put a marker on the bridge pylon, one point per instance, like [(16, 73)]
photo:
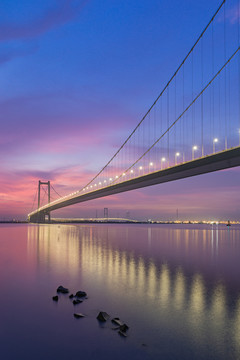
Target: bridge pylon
[(41, 217)]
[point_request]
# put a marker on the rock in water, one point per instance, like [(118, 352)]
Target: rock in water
[(78, 315), (103, 316), (81, 293), (62, 290), (117, 321), (71, 296), (76, 301), (122, 333), (123, 328), (55, 298)]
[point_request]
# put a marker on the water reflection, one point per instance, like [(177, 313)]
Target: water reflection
[(186, 274)]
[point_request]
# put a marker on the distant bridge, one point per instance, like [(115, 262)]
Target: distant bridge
[(192, 128)]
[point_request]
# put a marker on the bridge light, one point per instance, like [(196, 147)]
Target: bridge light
[(163, 159), (215, 140), (83, 189), (91, 186), (105, 181), (124, 174), (193, 149), (99, 183), (95, 184), (87, 188), (176, 156), (149, 165), (140, 167), (110, 179), (116, 176)]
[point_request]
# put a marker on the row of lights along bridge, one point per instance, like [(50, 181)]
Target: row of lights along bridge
[(163, 160)]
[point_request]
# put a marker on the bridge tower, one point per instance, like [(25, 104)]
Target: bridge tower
[(42, 218)]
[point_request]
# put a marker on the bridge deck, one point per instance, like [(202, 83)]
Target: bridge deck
[(219, 161)]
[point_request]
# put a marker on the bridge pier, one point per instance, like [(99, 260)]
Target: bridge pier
[(40, 218)]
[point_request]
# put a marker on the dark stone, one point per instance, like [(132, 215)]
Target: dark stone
[(71, 296), (78, 315), (103, 316), (123, 328), (55, 298), (117, 321), (81, 294), (122, 333), (62, 290), (76, 301)]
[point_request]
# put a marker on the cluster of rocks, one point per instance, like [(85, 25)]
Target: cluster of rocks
[(121, 326), (79, 297)]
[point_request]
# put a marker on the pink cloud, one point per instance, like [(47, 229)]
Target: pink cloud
[(64, 11), (65, 133), (18, 188), (234, 14)]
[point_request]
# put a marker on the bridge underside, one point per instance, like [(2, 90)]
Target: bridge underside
[(224, 160)]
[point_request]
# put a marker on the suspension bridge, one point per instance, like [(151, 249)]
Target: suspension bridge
[(192, 128)]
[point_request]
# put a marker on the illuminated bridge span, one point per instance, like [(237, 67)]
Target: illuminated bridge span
[(192, 128)]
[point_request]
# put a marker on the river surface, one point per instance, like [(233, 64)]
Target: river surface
[(177, 287)]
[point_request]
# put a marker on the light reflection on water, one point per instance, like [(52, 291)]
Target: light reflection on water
[(177, 286)]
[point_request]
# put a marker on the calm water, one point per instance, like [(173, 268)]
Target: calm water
[(177, 287)]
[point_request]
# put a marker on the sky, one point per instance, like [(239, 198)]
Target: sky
[(76, 78)]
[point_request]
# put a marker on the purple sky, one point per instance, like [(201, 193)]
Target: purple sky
[(76, 78)]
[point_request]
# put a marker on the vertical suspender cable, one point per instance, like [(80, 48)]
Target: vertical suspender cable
[(184, 114), (239, 71), (213, 83), (202, 98), (225, 77), (175, 113), (168, 124), (193, 140)]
